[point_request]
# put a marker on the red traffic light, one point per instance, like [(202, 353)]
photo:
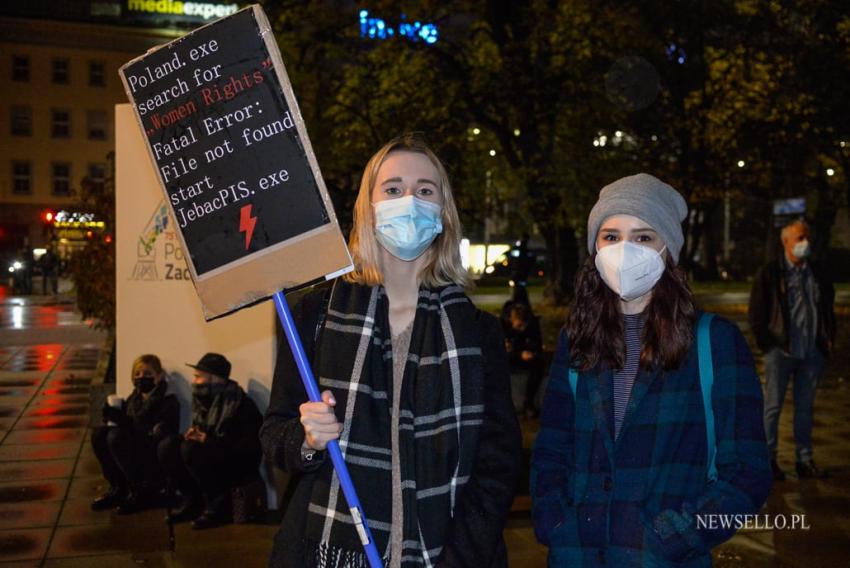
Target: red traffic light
[(48, 216)]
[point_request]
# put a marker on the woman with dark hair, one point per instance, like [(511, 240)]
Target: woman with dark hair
[(622, 471), (417, 390)]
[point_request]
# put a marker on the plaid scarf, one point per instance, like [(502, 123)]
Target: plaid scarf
[(216, 418), (440, 413)]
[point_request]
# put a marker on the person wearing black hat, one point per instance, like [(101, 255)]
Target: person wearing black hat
[(218, 451), (126, 445)]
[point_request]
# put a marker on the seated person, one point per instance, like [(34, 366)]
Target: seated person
[(525, 350), (219, 451), (127, 451)]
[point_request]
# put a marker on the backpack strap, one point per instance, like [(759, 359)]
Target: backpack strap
[(706, 379), (573, 381)]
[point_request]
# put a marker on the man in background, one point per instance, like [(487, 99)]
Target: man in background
[(791, 315)]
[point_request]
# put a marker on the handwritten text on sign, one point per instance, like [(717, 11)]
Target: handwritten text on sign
[(225, 143)]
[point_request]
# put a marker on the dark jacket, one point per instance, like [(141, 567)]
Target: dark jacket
[(474, 538), (528, 339), (769, 310), (633, 501), (154, 418), (237, 427)]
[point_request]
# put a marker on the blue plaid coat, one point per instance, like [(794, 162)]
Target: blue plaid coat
[(634, 501)]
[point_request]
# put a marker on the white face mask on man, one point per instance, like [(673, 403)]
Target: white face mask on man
[(630, 270), (802, 249)]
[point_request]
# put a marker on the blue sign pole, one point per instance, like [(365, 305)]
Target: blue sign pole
[(333, 447)]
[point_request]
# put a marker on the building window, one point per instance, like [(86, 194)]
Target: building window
[(96, 124), (21, 178), (61, 178), (97, 174), (61, 71), (20, 68), (21, 120), (60, 123), (97, 74)]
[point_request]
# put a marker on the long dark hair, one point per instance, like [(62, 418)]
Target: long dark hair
[(595, 323)]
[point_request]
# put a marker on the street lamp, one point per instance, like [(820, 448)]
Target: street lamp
[(830, 172), (741, 163)]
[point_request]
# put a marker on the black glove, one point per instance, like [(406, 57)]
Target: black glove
[(112, 414)]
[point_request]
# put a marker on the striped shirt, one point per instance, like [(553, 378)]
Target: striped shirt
[(625, 377)]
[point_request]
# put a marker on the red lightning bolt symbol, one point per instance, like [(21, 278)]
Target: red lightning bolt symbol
[(246, 224)]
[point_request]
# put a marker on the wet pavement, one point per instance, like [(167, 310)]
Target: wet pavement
[(49, 358)]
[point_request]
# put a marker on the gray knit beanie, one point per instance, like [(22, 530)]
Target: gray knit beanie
[(647, 198)]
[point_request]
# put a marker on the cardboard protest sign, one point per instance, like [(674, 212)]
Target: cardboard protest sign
[(233, 157)]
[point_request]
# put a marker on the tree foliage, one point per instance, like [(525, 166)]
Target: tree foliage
[(568, 96), (93, 266)]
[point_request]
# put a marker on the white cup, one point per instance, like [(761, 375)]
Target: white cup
[(114, 401)]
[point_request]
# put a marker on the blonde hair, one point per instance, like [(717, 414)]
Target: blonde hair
[(151, 361), (444, 266)]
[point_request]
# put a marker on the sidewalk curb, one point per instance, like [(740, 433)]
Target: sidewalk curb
[(99, 389)]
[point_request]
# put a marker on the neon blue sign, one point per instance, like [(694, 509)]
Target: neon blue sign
[(377, 28)]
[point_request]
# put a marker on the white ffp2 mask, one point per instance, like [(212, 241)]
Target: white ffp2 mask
[(630, 270)]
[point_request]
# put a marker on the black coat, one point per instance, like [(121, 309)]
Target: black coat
[(154, 418), (474, 538), (528, 339), (769, 310), (240, 430)]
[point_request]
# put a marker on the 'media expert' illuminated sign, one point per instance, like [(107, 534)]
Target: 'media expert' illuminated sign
[(170, 8)]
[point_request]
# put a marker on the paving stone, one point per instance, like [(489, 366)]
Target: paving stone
[(41, 469), (31, 514), (45, 411), (16, 393), (26, 452), (77, 512), (87, 487), (19, 382), (87, 466), (229, 545), (59, 400), (34, 490), (86, 540), (156, 559), (51, 436), (50, 422), (37, 376), (68, 390), (67, 381), (24, 544)]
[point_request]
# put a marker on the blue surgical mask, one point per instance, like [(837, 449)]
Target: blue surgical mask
[(407, 226)]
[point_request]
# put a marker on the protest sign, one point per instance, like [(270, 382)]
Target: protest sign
[(233, 158)]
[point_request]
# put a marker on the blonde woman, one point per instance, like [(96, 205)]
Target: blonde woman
[(128, 442), (416, 390)]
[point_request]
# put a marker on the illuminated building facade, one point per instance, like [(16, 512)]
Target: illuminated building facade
[(59, 65)]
